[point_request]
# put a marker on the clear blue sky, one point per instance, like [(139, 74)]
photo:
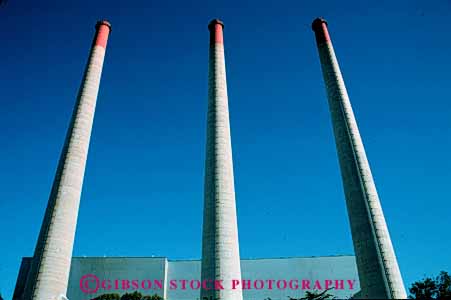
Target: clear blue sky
[(143, 189)]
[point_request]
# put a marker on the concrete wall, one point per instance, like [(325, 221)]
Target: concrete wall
[(159, 268), (116, 268)]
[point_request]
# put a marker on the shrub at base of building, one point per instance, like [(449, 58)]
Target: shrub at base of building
[(128, 296)]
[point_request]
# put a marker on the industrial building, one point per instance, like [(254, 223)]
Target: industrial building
[(115, 275), (52, 272)]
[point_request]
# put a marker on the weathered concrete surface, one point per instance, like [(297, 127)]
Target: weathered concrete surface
[(379, 273), (49, 273), (220, 249)]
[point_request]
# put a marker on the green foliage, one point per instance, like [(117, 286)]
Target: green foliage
[(128, 296), (132, 296), (154, 297), (108, 297), (316, 295), (428, 288), (444, 285)]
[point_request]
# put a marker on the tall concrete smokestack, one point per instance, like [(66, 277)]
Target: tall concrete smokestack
[(377, 266), (220, 249), (49, 273)]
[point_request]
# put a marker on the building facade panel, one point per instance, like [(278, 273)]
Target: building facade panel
[(93, 276)]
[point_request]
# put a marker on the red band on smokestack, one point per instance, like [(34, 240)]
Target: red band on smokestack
[(215, 28), (319, 26), (103, 30)]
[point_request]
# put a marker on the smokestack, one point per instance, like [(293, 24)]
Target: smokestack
[(220, 249), (49, 273), (377, 266)]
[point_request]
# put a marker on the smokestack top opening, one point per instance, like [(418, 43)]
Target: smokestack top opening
[(213, 22), (103, 22), (103, 29), (318, 23)]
